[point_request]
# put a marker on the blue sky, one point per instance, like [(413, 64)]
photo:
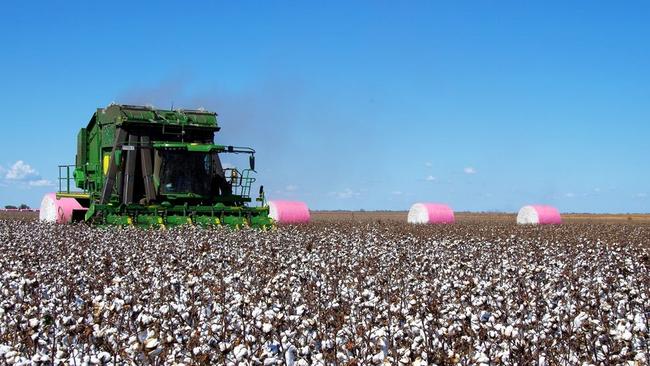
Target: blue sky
[(485, 105)]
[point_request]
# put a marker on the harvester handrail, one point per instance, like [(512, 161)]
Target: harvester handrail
[(67, 177), (240, 180)]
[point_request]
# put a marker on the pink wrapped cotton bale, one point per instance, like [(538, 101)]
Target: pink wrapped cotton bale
[(58, 210), (430, 213), (539, 214), (289, 212)]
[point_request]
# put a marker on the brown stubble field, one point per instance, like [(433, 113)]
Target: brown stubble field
[(18, 215), (468, 217)]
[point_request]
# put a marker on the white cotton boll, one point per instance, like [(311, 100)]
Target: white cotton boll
[(104, 356), (4, 349), (541, 361), (639, 324), (627, 335), (118, 304), (300, 310), (240, 352), (151, 343), (270, 361), (97, 331), (481, 357), (579, 320), (134, 347), (507, 331), (267, 327), (378, 357), (290, 356), (485, 315), (475, 325), (224, 346), (250, 338)]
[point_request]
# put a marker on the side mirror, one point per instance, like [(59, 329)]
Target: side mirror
[(251, 162)]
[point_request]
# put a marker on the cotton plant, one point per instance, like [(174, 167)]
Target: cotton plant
[(325, 294)]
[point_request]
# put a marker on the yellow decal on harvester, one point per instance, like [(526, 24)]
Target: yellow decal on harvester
[(107, 160)]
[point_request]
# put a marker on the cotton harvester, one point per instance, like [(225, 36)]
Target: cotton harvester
[(157, 168)]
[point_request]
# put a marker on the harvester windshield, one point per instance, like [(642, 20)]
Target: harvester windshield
[(183, 172)]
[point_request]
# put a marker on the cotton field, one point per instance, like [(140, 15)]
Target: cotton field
[(331, 293)]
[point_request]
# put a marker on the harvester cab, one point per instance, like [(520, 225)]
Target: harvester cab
[(136, 165)]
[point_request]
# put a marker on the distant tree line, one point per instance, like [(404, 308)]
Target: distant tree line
[(21, 207)]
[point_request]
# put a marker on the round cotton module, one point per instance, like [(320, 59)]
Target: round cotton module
[(289, 212), (539, 214), (430, 213), (57, 210)]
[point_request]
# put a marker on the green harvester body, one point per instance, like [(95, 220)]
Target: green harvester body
[(136, 165)]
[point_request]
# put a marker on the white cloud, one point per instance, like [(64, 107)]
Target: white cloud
[(22, 174), (428, 164), (291, 188), (570, 195), (469, 170), (345, 194), (396, 193), (40, 183), (642, 195), (21, 171), (430, 178)]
